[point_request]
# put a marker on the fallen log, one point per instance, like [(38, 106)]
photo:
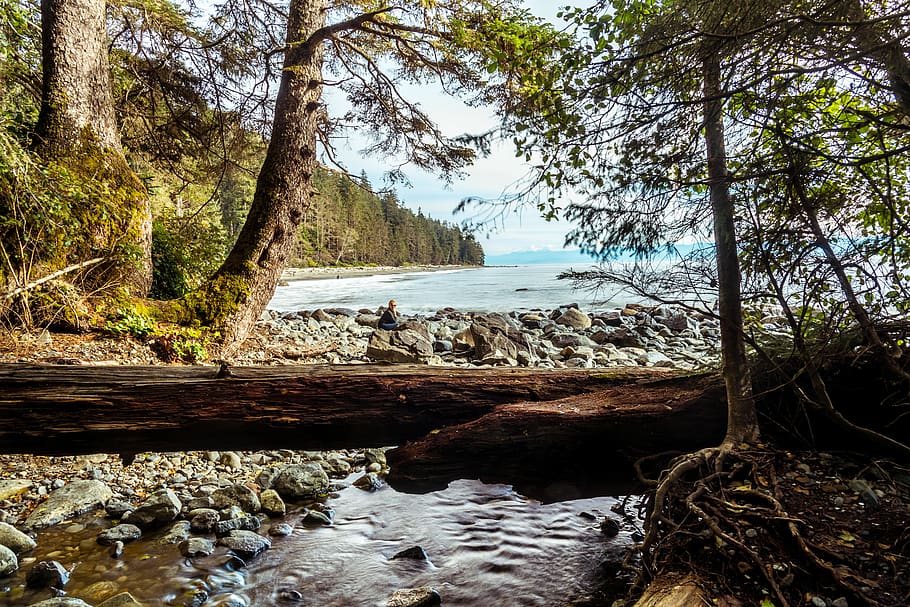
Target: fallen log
[(53, 409), (570, 448)]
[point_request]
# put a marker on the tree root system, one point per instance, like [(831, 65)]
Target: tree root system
[(774, 528)]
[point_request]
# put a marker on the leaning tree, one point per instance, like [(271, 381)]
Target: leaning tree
[(369, 54)]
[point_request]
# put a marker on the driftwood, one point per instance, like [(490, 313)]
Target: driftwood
[(522, 426)]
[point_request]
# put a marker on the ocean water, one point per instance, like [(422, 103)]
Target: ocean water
[(483, 289)]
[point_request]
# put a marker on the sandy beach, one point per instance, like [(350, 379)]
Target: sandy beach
[(294, 274)]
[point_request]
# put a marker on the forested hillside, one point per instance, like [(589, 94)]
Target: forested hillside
[(349, 224)]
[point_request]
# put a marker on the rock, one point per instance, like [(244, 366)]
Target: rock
[(610, 527), (272, 504), (415, 553), (73, 499), (124, 599), (375, 456), (121, 533), (248, 523), (63, 601), (118, 508), (315, 517), (204, 520), (575, 318), (245, 544), (369, 482), (301, 481), (13, 487), (408, 343), (161, 507), (196, 546), (231, 460), (654, 359), (177, 533), (8, 561), (116, 550), (281, 530), (236, 495), (15, 540), (47, 574), (415, 597)]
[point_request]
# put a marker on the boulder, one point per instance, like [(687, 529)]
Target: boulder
[(494, 336), (161, 507), (14, 539), (8, 561), (410, 342), (301, 481), (247, 523), (178, 532), (203, 520), (575, 318), (13, 487), (73, 499)]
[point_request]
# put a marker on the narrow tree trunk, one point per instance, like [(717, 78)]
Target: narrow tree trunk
[(742, 419), (77, 128), (887, 51), (239, 292)]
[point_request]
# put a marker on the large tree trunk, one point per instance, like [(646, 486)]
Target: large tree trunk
[(742, 419), (77, 128), (238, 293)]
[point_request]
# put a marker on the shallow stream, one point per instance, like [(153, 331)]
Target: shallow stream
[(487, 546)]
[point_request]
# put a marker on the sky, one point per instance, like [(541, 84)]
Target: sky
[(522, 229)]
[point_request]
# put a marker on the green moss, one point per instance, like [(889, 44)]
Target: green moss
[(216, 301)]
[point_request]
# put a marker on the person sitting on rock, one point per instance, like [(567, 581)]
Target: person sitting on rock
[(389, 318)]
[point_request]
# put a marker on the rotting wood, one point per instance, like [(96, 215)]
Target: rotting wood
[(81, 409)]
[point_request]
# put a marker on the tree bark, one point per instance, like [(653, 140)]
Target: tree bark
[(238, 293), (77, 128), (85, 409), (742, 418)]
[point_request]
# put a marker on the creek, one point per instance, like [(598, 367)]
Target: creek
[(486, 544)]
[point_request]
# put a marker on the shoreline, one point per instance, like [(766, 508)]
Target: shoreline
[(328, 272)]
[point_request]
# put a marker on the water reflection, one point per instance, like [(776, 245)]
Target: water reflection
[(485, 544)]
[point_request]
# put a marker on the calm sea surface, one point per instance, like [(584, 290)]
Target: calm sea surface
[(485, 289)]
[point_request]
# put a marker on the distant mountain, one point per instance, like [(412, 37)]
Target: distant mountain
[(563, 256)]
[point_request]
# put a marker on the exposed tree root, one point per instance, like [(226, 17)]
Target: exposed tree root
[(722, 506)]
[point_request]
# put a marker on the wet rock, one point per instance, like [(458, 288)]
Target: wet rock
[(177, 533), (245, 544), (315, 517), (47, 574), (281, 530), (236, 495), (415, 597), (609, 527), (117, 508), (414, 553), (99, 591), (8, 561), (196, 546), (124, 599), (369, 482), (335, 465), (124, 532), (301, 481), (73, 499), (248, 523), (161, 507), (15, 540), (117, 550), (271, 503)]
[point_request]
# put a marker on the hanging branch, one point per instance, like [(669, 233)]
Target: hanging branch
[(49, 277)]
